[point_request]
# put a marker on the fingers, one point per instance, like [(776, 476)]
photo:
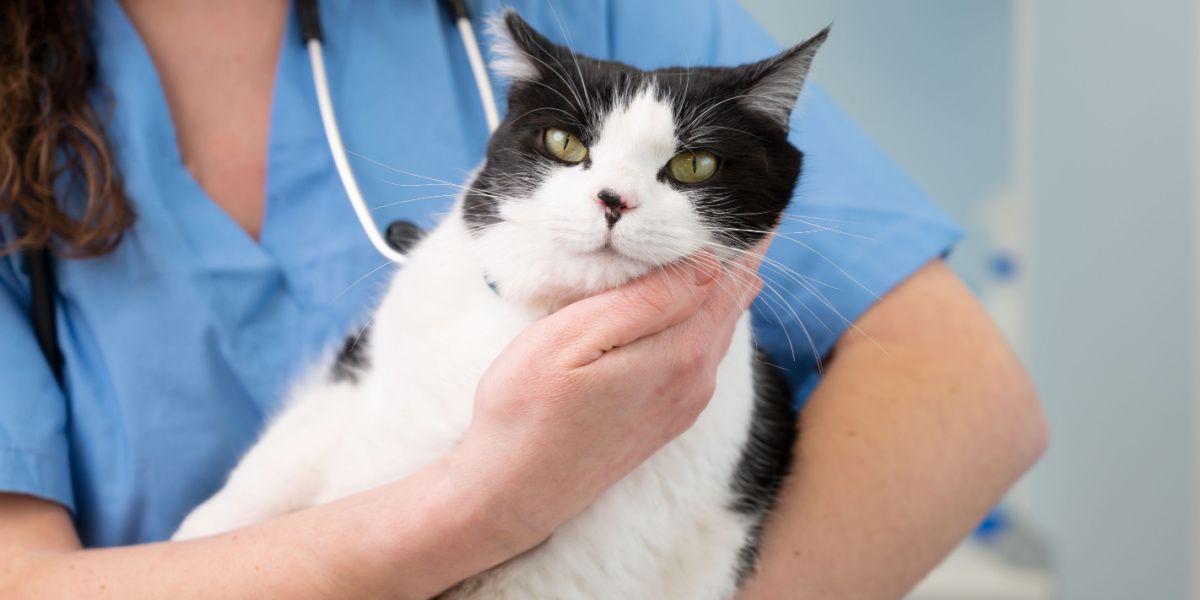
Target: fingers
[(616, 318), (700, 342), (715, 323), (737, 288)]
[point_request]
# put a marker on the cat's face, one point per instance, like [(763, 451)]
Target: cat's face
[(601, 172)]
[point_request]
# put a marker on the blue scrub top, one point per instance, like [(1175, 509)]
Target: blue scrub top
[(180, 343)]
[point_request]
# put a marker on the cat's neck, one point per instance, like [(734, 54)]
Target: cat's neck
[(444, 265)]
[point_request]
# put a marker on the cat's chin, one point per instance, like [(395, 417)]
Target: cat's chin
[(550, 290)]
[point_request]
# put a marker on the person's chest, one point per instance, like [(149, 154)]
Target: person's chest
[(185, 339)]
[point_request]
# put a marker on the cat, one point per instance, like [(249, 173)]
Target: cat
[(599, 173)]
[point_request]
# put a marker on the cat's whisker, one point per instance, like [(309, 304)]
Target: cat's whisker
[(697, 137), (816, 218), (558, 93), (768, 283), (791, 274), (816, 229), (769, 303), (566, 114), (574, 57), (411, 200), (800, 279), (764, 258), (365, 328), (723, 101), (580, 105), (435, 182), (840, 270), (359, 280), (825, 301), (834, 230), (808, 287)]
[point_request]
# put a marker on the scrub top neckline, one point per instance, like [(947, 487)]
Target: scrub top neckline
[(254, 292), (226, 242)]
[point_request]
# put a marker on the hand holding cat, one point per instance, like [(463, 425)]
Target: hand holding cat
[(585, 395)]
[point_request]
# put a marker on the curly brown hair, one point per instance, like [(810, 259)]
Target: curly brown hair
[(51, 134)]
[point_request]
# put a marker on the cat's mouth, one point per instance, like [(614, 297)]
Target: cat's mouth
[(609, 251)]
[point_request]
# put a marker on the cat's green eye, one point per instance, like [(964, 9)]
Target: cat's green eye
[(565, 146), (692, 166)]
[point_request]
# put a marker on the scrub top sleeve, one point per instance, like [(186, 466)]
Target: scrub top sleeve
[(34, 457), (857, 226)]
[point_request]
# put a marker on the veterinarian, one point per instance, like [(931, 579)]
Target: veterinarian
[(206, 255)]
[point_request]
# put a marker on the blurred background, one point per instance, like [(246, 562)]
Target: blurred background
[(1065, 136)]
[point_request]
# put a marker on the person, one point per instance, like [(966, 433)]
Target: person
[(215, 257)]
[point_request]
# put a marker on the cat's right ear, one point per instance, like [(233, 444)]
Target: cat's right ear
[(773, 85), (520, 51)]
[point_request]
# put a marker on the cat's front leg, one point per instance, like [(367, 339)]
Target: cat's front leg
[(282, 472)]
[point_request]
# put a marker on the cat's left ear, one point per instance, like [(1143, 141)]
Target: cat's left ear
[(773, 85), (521, 52)]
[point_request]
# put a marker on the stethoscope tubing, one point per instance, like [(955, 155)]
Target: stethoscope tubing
[(310, 30)]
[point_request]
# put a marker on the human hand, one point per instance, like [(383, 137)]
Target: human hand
[(585, 395)]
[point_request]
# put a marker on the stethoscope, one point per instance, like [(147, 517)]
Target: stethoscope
[(310, 31)]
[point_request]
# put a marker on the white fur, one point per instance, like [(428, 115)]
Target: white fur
[(666, 530), (509, 59)]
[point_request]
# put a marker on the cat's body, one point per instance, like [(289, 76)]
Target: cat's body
[(684, 524)]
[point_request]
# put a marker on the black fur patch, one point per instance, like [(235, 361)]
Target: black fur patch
[(766, 458), (352, 359), (403, 235)]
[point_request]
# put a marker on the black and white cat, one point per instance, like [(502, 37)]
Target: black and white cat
[(600, 173)]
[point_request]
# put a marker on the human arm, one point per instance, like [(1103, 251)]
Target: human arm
[(904, 447), (559, 404), (397, 537)]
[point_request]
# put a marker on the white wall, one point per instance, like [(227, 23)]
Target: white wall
[(1196, 316), (1113, 313), (929, 80)]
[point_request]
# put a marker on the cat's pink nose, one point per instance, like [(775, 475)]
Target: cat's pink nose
[(614, 204)]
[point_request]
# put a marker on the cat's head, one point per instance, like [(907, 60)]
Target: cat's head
[(601, 172)]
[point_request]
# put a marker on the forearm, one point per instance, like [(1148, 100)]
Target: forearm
[(903, 450), (409, 539)]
